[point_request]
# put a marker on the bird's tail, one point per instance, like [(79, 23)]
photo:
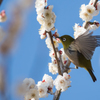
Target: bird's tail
[(92, 75)]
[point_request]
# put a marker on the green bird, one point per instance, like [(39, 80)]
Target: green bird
[(80, 50)]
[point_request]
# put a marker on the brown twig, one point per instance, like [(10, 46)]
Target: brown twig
[(57, 95), (95, 3), (60, 61), (54, 49)]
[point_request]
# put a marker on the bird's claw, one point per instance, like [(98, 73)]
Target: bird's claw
[(76, 67)]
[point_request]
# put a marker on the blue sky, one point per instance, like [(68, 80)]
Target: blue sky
[(30, 56)]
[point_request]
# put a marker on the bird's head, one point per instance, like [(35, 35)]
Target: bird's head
[(66, 40)]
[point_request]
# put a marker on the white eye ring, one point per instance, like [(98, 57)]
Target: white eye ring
[(64, 39)]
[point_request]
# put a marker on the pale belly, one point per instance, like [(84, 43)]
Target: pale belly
[(73, 57)]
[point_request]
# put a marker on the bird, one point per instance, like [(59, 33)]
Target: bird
[(80, 50)]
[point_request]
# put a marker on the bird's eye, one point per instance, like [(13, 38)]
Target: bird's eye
[(64, 39)]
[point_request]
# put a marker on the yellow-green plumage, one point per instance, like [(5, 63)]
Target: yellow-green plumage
[(83, 62), (80, 50)]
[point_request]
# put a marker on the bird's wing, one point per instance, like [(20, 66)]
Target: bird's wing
[(86, 44), (72, 55)]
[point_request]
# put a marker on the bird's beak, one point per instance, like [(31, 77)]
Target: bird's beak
[(58, 37)]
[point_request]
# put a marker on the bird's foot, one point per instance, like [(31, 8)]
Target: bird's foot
[(76, 67), (72, 68)]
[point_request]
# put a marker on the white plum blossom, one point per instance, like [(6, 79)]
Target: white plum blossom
[(85, 16), (43, 88), (90, 9), (62, 52), (50, 7), (51, 54), (54, 61), (66, 76), (42, 32), (48, 79), (98, 5), (43, 36), (39, 5), (96, 12), (32, 94), (63, 56), (48, 25), (87, 12), (78, 30), (93, 27), (49, 45), (28, 83), (53, 68), (40, 19), (42, 91), (82, 7), (40, 10), (45, 16), (62, 82), (53, 17), (91, 2)]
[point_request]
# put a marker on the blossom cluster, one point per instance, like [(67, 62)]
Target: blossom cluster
[(32, 91), (29, 89), (78, 30), (45, 17), (45, 86), (88, 11), (86, 14), (62, 82), (53, 65)]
